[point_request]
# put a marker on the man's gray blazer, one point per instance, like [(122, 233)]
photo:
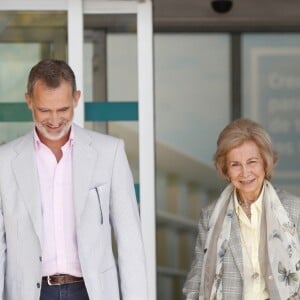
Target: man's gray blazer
[(99, 161)]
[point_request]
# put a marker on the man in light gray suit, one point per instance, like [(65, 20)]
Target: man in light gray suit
[(62, 189)]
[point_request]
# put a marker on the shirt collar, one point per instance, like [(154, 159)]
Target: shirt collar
[(257, 204)]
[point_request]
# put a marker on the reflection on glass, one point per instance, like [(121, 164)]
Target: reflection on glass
[(271, 95), (16, 60), (192, 91), (192, 105), (110, 74)]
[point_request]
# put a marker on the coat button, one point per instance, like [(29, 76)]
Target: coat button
[(40, 258), (270, 277), (38, 285)]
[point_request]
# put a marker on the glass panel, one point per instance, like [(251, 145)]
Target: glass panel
[(110, 75), (192, 87), (271, 95), (122, 86), (25, 38)]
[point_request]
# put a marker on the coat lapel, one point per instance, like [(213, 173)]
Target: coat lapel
[(84, 158), (235, 244), (25, 170)]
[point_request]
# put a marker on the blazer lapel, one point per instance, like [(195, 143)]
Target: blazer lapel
[(235, 244), (84, 158), (25, 170)]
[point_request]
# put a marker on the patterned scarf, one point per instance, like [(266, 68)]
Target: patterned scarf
[(282, 242)]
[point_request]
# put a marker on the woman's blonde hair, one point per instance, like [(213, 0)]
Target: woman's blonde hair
[(238, 132)]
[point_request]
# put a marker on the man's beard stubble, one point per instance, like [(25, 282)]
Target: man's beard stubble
[(42, 128)]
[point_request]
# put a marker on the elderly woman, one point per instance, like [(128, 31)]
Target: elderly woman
[(248, 242)]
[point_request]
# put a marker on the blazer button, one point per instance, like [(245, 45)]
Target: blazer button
[(40, 258), (38, 285)]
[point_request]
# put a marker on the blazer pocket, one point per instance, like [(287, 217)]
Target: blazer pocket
[(100, 205), (99, 199)]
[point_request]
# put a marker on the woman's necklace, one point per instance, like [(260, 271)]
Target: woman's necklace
[(246, 208), (255, 274)]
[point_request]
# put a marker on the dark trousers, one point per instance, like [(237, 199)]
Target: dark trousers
[(72, 291)]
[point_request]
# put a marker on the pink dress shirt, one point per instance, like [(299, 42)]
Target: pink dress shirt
[(59, 244)]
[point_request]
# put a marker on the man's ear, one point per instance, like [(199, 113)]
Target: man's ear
[(76, 97), (28, 101)]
